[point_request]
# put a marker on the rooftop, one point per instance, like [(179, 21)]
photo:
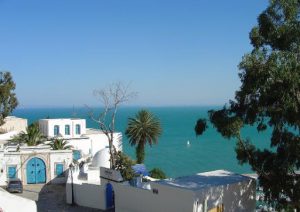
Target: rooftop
[(203, 180), (63, 119)]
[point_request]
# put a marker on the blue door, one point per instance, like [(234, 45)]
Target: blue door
[(36, 171), (110, 197), (12, 171)]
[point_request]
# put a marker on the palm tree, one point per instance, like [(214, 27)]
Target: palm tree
[(59, 144), (32, 137), (144, 128)]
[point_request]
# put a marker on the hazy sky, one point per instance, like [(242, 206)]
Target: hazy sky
[(173, 52)]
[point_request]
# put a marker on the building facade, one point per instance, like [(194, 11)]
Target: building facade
[(34, 165)]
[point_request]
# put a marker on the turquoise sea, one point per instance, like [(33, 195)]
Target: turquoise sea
[(172, 154)]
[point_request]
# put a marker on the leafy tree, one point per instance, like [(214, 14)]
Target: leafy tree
[(144, 128), (269, 97), (157, 173), (59, 144), (31, 137), (8, 99), (124, 165)]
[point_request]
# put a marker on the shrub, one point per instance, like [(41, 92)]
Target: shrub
[(157, 173)]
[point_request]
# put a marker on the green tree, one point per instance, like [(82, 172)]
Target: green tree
[(124, 165), (269, 97), (31, 137), (144, 128), (157, 173), (8, 99), (59, 144)]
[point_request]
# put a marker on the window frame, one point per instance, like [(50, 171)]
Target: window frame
[(7, 171), (56, 130), (77, 129), (63, 169), (67, 132)]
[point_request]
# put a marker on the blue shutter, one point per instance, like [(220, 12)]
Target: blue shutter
[(76, 154), (12, 171), (56, 130), (77, 129), (59, 170), (67, 129)]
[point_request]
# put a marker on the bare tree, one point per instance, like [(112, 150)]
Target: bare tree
[(111, 98)]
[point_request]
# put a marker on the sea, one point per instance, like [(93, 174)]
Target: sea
[(179, 151)]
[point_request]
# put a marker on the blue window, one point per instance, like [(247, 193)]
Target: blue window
[(12, 172), (59, 170), (67, 129), (76, 154), (56, 129), (78, 129)]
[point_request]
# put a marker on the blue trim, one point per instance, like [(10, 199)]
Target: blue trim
[(56, 130), (78, 129), (12, 172), (67, 129), (76, 154), (59, 170)]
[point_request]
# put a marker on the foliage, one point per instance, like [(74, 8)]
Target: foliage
[(200, 127), (8, 99), (144, 128), (157, 173), (31, 137), (269, 97), (124, 165), (111, 98), (59, 144)]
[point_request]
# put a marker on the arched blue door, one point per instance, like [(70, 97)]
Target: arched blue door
[(110, 197), (36, 171)]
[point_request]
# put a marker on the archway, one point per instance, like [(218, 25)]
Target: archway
[(36, 171), (110, 196)]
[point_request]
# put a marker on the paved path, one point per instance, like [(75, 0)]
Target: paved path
[(51, 198)]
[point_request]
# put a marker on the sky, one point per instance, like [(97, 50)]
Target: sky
[(171, 52)]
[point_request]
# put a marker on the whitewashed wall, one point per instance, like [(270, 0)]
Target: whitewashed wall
[(10, 159), (14, 124), (100, 141), (65, 157), (132, 199), (86, 194), (47, 127)]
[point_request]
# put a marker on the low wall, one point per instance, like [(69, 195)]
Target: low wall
[(88, 195), (159, 199)]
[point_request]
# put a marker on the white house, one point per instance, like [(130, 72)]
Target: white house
[(12, 126), (86, 142), (12, 123), (216, 191), (34, 165)]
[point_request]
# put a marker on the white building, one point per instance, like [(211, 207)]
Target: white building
[(65, 128), (34, 165), (12, 126), (86, 142), (216, 191), (13, 123)]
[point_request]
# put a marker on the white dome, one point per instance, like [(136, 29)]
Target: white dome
[(101, 158)]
